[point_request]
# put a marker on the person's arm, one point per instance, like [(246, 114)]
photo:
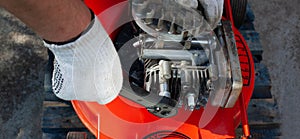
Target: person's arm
[(53, 20), (87, 66)]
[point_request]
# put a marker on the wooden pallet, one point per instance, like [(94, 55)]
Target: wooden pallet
[(263, 113)]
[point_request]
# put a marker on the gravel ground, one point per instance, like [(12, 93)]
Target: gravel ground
[(278, 23), (22, 58), (21, 63)]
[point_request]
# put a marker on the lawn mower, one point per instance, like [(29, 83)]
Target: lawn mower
[(182, 79)]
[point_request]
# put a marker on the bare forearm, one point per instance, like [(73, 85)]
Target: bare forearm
[(53, 20)]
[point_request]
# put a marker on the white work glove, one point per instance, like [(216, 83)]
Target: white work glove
[(213, 9), (87, 69)]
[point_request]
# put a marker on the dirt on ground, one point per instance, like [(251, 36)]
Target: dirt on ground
[(278, 23), (22, 59)]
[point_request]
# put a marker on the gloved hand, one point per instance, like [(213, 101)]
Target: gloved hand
[(87, 69)]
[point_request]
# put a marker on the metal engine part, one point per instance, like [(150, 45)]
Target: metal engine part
[(184, 63), (169, 19), (185, 72)]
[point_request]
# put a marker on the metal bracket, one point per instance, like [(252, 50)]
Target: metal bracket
[(234, 62)]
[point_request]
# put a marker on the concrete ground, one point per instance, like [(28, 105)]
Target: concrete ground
[(278, 23), (22, 58)]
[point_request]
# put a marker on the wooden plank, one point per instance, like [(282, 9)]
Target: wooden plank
[(55, 135), (262, 87), (47, 104), (263, 111), (80, 135), (60, 117)]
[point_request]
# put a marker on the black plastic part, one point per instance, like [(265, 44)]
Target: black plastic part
[(162, 107), (165, 108), (239, 8)]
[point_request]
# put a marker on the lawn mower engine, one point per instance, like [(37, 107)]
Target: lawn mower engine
[(182, 79), (179, 60)]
